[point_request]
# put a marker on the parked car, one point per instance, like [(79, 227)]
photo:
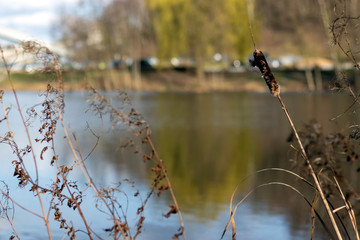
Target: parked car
[(183, 64)]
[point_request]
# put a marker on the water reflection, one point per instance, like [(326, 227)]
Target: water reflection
[(212, 141), (209, 143)]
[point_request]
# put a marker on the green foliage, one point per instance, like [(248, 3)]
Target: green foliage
[(168, 19), (200, 28), (239, 32)]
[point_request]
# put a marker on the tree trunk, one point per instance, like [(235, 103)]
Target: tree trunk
[(200, 68), (318, 79), (309, 79), (326, 22), (136, 74), (356, 79)]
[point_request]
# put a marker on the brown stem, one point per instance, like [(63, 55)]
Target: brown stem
[(312, 172), (72, 196), (20, 206), (260, 62), (30, 143), (81, 164), (169, 184)]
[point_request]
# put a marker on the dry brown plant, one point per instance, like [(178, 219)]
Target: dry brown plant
[(325, 177), (64, 192)]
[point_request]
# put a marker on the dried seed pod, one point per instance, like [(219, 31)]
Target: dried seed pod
[(260, 62)]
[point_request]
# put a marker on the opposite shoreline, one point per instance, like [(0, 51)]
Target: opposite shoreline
[(164, 81)]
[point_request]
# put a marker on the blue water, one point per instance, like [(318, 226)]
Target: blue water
[(209, 142)]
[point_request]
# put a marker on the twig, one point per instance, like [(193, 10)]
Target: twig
[(121, 116), (337, 36), (86, 175), (20, 206), (356, 100), (252, 36), (5, 207), (72, 197)]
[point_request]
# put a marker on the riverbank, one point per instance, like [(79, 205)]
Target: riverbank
[(161, 81)]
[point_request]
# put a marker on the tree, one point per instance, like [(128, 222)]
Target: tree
[(168, 22), (200, 29), (124, 35), (196, 29)]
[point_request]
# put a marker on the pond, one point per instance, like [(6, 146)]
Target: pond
[(209, 143)]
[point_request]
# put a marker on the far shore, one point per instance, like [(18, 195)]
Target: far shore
[(163, 81)]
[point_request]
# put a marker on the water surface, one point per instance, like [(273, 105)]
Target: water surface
[(209, 143)]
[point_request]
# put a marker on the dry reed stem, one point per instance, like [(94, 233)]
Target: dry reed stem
[(313, 216), (232, 212), (169, 184), (349, 209), (30, 144), (264, 170), (260, 62), (260, 186), (312, 172), (254, 173)]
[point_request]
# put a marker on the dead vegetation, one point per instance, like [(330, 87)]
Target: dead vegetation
[(319, 158), (64, 192)]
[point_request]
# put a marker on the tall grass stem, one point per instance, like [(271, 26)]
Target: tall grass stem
[(312, 172)]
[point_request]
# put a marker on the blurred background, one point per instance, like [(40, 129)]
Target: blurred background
[(207, 40)]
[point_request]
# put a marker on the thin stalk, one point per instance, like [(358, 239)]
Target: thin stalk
[(19, 205), (169, 184), (87, 176), (349, 210), (232, 214), (30, 143), (78, 208), (120, 116), (21, 115), (12, 226), (312, 172)]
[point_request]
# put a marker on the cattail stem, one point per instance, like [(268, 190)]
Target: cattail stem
[(260, 62), (312, 172)]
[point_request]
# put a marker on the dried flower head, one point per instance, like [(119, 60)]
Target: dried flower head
[(260, 62)]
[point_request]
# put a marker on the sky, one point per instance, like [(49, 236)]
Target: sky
[(33, 18)]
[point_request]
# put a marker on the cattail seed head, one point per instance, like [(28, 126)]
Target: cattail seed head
[(260, 62)]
